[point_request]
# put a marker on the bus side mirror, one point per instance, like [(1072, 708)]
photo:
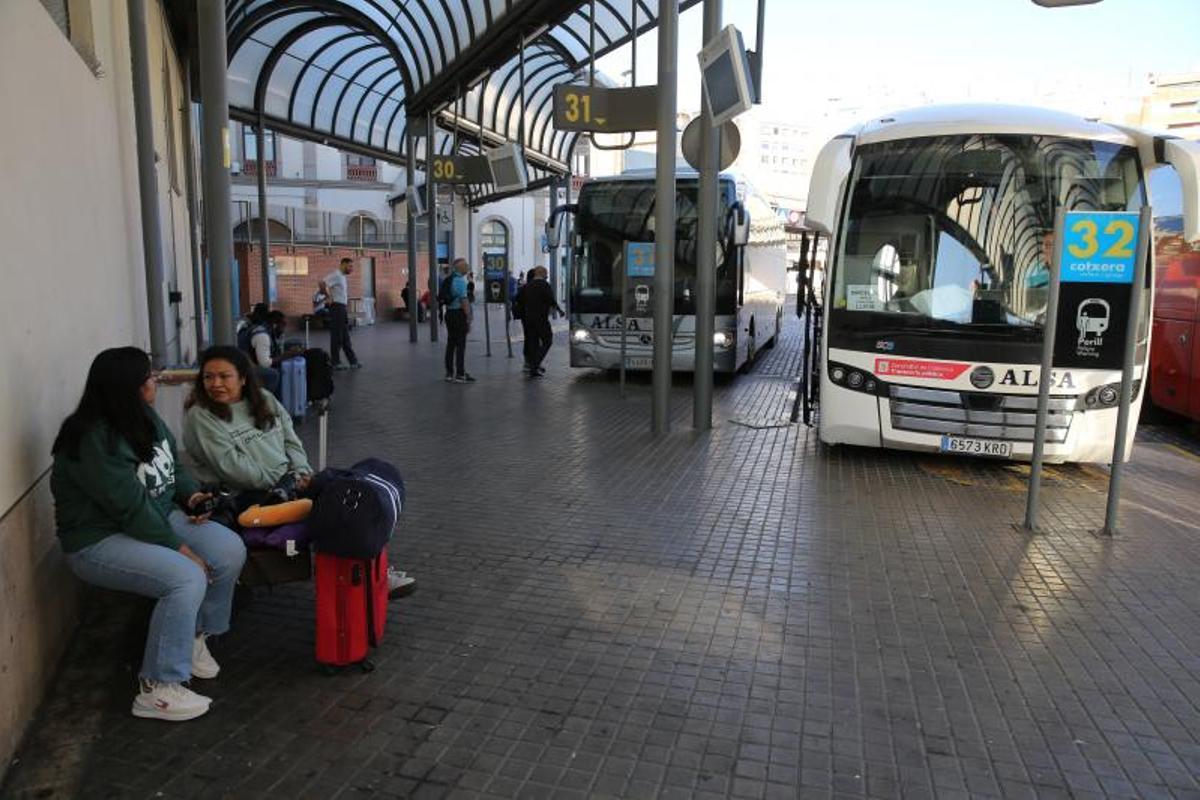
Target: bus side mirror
[(828, 183), (554, 224), (1184, 156)]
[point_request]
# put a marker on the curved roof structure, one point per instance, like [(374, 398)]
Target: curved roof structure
[(353, 73)]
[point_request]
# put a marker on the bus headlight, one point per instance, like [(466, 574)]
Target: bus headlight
[(856, 379), (582, 336), (722, 340)]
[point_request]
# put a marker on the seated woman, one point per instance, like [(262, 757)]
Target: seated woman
[(125, 513), (242, 438)]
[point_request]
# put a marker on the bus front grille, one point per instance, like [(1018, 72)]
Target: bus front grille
[(984, 416)]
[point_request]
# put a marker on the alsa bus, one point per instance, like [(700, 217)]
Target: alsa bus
[(941, 223), (1175, 340), (751, 266)]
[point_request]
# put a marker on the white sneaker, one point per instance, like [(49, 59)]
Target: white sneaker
[(203, 664), (173, 702), (400, 583)]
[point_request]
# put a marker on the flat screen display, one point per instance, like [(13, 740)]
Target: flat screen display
[(505, 172), (721, 84)]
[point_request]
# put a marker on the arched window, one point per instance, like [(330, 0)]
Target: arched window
[(251, 231), (362, 228)]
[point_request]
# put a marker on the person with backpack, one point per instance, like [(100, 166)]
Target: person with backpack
[(518, 314), (257, 340), (130, 518), (452, 293)]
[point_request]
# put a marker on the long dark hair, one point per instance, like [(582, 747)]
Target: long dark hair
[(264, 418), (112, 395)]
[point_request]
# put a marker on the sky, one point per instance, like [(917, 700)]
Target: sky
[(874, 54)]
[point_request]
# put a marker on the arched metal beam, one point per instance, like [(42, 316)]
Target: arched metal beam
[(351, 81), (291, 113)]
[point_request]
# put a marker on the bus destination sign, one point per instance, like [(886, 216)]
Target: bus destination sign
[(601, 110), (461, 169), (1096, 267)]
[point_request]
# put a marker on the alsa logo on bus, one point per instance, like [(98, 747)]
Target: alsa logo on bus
[(982, 377)]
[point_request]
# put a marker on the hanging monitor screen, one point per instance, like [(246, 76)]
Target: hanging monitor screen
[(726, 75), (508, 168)]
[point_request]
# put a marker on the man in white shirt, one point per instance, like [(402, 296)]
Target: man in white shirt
[(334, 286)]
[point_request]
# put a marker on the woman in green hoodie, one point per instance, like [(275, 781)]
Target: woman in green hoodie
[(120, 496)]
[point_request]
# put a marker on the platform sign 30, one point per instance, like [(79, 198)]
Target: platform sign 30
[(1097, 264)]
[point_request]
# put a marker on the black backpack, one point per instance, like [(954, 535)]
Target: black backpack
[(356, 509), (445, 290), (518, 305)]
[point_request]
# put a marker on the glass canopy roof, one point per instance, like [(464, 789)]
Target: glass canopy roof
[(352, 73)]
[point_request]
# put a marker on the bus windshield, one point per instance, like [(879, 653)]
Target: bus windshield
[(618, 211), (957, 231)]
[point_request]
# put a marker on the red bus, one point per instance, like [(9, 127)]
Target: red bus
[(1175, 342)]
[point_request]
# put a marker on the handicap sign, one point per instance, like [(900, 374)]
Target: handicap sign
[(639, 259), (1097, 262)]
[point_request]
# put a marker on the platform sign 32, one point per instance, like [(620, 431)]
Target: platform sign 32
[(1097, 264)]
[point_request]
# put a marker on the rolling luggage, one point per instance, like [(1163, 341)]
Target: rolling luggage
[(352, 595), (318, 373), (294, 387)]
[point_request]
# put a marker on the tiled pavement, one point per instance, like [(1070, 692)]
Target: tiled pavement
[(742, 613)]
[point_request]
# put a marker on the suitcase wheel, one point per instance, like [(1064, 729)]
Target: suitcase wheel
[(366, 665), (330, 670)]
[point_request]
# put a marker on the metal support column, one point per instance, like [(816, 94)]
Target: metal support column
[(706, 246), (568, 241), (148, 185), (410, 171), (264, 238), (1132, 329), (431, 221), (1049, 331), (189, 164), (210, 15), (664, 215)]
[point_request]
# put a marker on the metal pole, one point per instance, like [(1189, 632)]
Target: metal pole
[(210, 15), (569, 239), (148, 184), (264, 239), (1043, 404), (189, 172), (431, 221), (706, 246), (664, 215), (1131, 341), (507, 309), (624, 313), (487, 325), (410, 169)]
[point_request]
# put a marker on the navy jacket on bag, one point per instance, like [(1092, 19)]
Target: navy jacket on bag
[(356, 509)]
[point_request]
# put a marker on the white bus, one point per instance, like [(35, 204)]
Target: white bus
[(940, 222), (751, 279)]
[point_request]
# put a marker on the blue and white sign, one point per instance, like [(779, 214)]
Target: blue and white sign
[(639, 259), (1099, 247)]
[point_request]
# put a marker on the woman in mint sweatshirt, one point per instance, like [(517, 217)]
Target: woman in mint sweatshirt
[(120, 496), (237, 434)]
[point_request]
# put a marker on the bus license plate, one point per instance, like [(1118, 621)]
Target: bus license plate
[(639, 363), (976, 447)]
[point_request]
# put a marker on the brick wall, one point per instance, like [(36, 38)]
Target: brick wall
[(294, 292)]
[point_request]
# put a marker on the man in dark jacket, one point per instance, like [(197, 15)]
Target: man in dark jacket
[(537, 301)]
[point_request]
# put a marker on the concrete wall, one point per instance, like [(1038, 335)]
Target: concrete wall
[(74, 284)]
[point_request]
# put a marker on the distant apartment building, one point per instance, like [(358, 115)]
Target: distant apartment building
[(1172, 105)]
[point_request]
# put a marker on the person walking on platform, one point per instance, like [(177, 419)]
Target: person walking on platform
[(334, 285), (537, 301), (458, 322), (518, 313)]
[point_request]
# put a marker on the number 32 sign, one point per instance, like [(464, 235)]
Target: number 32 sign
[(1097, 265)]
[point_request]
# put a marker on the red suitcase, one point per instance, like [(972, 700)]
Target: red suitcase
[(352, 595)]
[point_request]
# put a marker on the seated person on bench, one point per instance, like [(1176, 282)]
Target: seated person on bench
[(241, 438), (130, 518)]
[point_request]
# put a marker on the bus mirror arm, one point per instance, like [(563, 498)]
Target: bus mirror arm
[(553, 236), (737, 224), (1184, 156)]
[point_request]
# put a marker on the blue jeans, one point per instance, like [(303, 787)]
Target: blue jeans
[(187, 603)]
